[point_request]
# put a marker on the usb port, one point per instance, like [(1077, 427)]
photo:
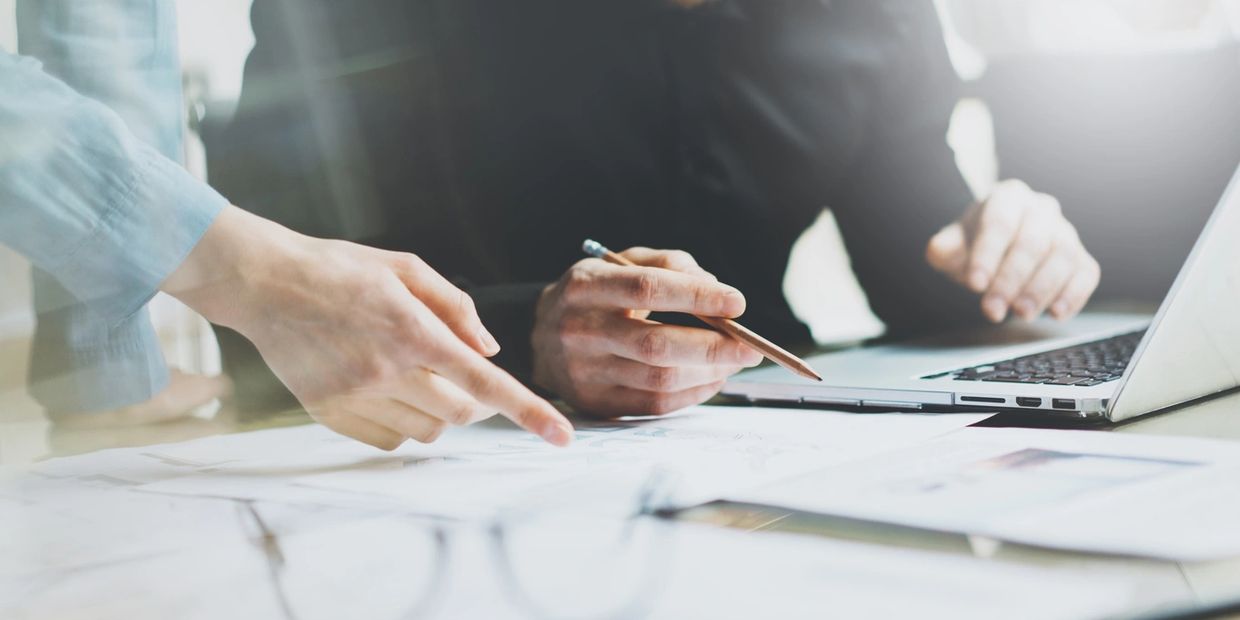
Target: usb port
[(1064, 403), (1028, 401)]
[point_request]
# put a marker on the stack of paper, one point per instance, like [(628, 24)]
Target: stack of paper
[(475, 471), (379, 568), (1163, 497), (303, 523)]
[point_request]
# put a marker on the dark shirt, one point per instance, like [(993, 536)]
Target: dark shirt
[(492, 136)]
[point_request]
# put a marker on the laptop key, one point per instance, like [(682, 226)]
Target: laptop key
[(1066, 380), (1021, 379), (1091, 363)]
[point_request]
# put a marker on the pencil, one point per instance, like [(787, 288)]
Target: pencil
[(767, 348)]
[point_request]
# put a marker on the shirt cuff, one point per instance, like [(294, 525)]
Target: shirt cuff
[(79, 364), (142, 239), (507, 311)]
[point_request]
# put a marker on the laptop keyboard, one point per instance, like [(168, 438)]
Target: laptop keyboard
[(1091, 363)]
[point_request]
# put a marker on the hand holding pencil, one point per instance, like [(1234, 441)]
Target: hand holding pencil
[(594, 346), (741, 333)]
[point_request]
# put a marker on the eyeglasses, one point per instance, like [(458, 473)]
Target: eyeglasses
[(549, 561), (567, 564)]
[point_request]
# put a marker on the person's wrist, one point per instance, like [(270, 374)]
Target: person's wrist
[(237, 262)]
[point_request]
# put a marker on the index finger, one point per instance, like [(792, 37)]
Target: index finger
[(676, 260), (452, 305), (490, 385), (658, 290), (997, 228), (947, 251)]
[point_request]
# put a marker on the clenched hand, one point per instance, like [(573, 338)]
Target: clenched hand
[(1018, 251)]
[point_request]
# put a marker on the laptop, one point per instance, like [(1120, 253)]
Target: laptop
[(1097, 366)]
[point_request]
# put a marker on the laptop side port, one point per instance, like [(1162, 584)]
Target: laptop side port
[(982, 399), (1064, 403), (1028, 401)]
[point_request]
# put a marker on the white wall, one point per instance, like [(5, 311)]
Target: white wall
[(8, 27), (215, 40), (1113, 26)]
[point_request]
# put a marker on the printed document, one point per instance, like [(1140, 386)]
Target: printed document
[(1162, 497)]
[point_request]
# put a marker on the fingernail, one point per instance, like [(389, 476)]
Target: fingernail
[(558, 433), (488, 341), (1025, 308), (733, 303), (1060, 309), (751, 358), (979, 279), (995, 308)]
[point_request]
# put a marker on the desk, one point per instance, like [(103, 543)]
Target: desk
[(1159, 582)]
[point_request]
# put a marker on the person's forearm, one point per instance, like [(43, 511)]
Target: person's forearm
[(84, 200), (88, 356)]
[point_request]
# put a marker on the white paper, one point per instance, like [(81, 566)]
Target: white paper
[(474, 472), (1166, 498), (254, 465), (50, 524), (122, 466), (389, 567), (702, 571), (208, 582), (730, 574)]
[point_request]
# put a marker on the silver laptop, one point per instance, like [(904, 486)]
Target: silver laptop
[(1100, 366)]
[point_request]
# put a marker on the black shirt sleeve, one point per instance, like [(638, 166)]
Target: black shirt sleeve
[(788, 107), (905, 185), (507, 311)]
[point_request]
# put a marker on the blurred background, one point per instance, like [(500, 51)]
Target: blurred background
[(1123, 109)]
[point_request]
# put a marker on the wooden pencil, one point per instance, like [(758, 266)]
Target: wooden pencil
[(767, 348)]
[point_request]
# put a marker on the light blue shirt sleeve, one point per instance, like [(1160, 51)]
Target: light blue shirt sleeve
[(87, 195)]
